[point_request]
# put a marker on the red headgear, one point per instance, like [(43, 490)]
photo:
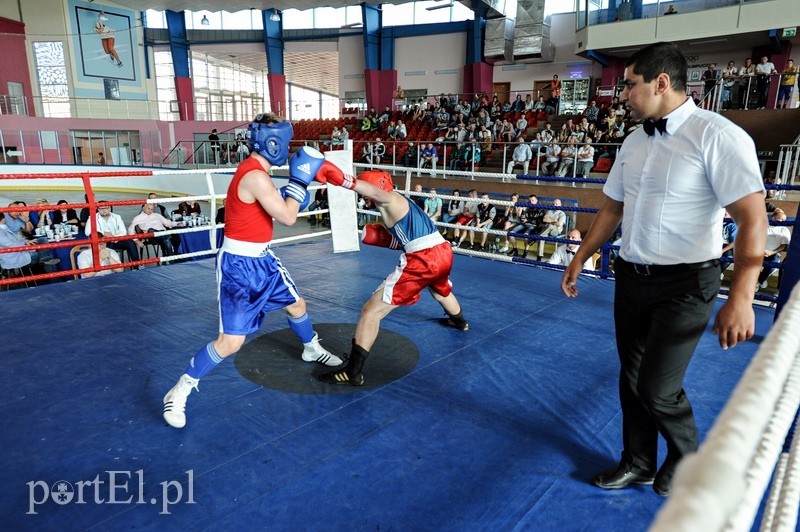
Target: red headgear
[(378, 178)]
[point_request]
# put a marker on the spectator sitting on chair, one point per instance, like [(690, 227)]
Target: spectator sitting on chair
[(529, 222), (483, 220), (45, 217), (158, 207), (522, 155), (378, 151), (66, 216), (320, 202), (585, 159), (454, 209), (108, 257), (457, 157), (187, 209), (111, 224), (410, 157), (466, 219), (19, 222), (778, 239), (567, 162), (18, 259), (400, 131), (419, 200), (729, 230), (564, 253), (149, 222), (553, 220), (511, 218), (366, 152), (429, 157), (433, 206), (220, 218)]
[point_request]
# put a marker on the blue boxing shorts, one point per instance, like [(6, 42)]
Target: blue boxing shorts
[(250, 287)]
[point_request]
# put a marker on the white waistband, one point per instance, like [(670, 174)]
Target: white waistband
[(424, 242), (247, 249)]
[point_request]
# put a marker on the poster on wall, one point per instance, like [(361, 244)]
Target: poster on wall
[(105, 43)]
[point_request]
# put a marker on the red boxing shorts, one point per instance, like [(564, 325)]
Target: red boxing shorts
[(418, 270)]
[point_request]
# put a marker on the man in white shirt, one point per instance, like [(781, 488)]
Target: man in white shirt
[(564, 253), (764, 71), (585, 159), (111, 224), (148, 221), (684, 164), (553, 221), (522, 155), (107, 256)]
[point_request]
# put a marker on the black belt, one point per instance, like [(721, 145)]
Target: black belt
[(665, 269)]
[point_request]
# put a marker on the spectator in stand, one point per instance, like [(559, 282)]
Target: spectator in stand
[(485, 139), (111, 224), (378, 152), (564, 253), (473, 156), (148, 221), (522, 156), (788, 79), (433, 206), (521, 126), (107, 256), (400, 131), (585, 158), (320, 202), (729, 230), (410, 156), (567, 163), (458, 157), (366, 124), (552, 159), (336, 138), (385, 115), (484, 219), (555, 92), (519, 105), (430, 157), (729, 74), (747, 84), (592, 112), (391, 130), (553, 220), (507, 132), (366, 152), (764, 71), (778, 239), (467, 219), (709, 79)]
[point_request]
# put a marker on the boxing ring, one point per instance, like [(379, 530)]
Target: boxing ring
[(497, 428)]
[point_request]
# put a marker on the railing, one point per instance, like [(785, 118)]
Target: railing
[(589, 14)]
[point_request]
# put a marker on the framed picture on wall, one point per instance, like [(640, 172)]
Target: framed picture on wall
[(695, 75), (105, 44)]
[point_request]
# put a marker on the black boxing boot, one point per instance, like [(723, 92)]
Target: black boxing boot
[(351, 374), (455, 320)]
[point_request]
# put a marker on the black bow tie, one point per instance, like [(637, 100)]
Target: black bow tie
[(650, 126), (570, 252)]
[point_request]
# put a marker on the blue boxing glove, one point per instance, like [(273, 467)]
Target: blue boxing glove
[(303, 166), (306, 197)]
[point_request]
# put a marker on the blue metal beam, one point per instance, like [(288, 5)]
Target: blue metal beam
[(373, 19), (178, 43), (597, 56), (273, 42)]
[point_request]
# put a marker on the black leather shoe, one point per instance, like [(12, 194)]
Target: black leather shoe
[(622, 476), (662, 484)]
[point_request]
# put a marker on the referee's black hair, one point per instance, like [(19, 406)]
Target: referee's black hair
[(661, 57)]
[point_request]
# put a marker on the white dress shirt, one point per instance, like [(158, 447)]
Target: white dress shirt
[(111, 226), (675, 186), (563, 257)]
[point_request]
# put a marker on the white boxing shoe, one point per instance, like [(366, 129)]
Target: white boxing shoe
[(314, 352), (175, 401)]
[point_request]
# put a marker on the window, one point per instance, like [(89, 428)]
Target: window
[(51, 70)]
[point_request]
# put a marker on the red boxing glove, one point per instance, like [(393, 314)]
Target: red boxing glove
[(330, 173), (378, 235)]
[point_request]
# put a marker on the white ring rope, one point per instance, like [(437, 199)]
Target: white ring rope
[(721, 486)]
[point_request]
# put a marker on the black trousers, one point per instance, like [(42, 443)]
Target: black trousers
[(659, 320)]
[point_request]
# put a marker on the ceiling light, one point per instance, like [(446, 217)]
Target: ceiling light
[(440, 6), (275, 17), (205, 21)]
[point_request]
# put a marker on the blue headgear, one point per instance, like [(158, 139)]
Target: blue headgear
[(270, 140)]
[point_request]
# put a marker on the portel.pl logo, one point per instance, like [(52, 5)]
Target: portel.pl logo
[(113, 487)]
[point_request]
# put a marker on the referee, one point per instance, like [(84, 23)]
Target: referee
[(671, 183)]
